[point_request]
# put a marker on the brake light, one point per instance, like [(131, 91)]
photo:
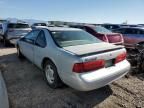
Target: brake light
[(104, 38), (88, 66), (120, 57), (122, 38)]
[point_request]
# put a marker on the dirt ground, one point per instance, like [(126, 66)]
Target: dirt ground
[(27, 88)]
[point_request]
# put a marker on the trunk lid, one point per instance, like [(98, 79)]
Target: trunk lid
[(99, 51), (92, 49)]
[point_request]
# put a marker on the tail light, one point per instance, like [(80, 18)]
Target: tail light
[(104, 38), (122, 39), (88, 66), (120, 57)]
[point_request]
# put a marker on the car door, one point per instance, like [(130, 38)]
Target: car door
[(129, 37), (39, 48), (27, 44), (140, 35)]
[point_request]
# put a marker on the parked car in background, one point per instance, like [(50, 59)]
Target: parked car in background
[(141, 25), (134, 25), (102, 34), (38, 24), (74, 57), (14, 31), (111, 26), (3, 28), (132, 35), (118, 26)]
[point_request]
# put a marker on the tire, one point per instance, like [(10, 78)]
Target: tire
[(51, 75), (142, 67), (6, 43), (19, 54)]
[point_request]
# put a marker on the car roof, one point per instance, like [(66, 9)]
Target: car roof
[(58, 28)]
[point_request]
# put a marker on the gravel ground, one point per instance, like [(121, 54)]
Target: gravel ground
[(27, 88)]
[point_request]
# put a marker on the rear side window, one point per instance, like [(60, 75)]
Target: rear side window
[(12, 25), (41, 40), (32, 35)]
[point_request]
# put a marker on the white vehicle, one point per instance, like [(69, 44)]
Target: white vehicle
[(13, 31), (3, 28), (74, 57)]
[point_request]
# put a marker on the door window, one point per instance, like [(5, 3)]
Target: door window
[(129, 31), (140, 32)]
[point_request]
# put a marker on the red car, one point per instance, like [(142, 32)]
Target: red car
[(132, 35), (102, 33)]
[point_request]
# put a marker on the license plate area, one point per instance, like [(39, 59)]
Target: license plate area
[(109, 63)]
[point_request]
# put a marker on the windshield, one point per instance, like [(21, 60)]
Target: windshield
[(100, 29), (18, 25), (73, 38)]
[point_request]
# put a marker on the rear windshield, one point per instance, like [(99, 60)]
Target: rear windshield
[(100, 29), (73, 38), (18, 25)]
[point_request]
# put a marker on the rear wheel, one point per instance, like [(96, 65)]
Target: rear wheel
[(51, 75), (142, 67), (6, 43)]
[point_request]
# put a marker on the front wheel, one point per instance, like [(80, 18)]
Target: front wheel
[(51, 75)]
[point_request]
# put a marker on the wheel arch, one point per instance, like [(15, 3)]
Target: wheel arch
[(44, 60)]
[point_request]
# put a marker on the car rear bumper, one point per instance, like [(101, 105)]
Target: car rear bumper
[(93, 80)]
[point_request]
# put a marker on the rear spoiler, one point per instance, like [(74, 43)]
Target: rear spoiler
[(99, 52)]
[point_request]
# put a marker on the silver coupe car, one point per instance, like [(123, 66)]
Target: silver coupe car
[(73, 57)]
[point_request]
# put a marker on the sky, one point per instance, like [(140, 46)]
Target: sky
[(87, 11)]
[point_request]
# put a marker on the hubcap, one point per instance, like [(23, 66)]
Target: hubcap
[(49, 74)]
